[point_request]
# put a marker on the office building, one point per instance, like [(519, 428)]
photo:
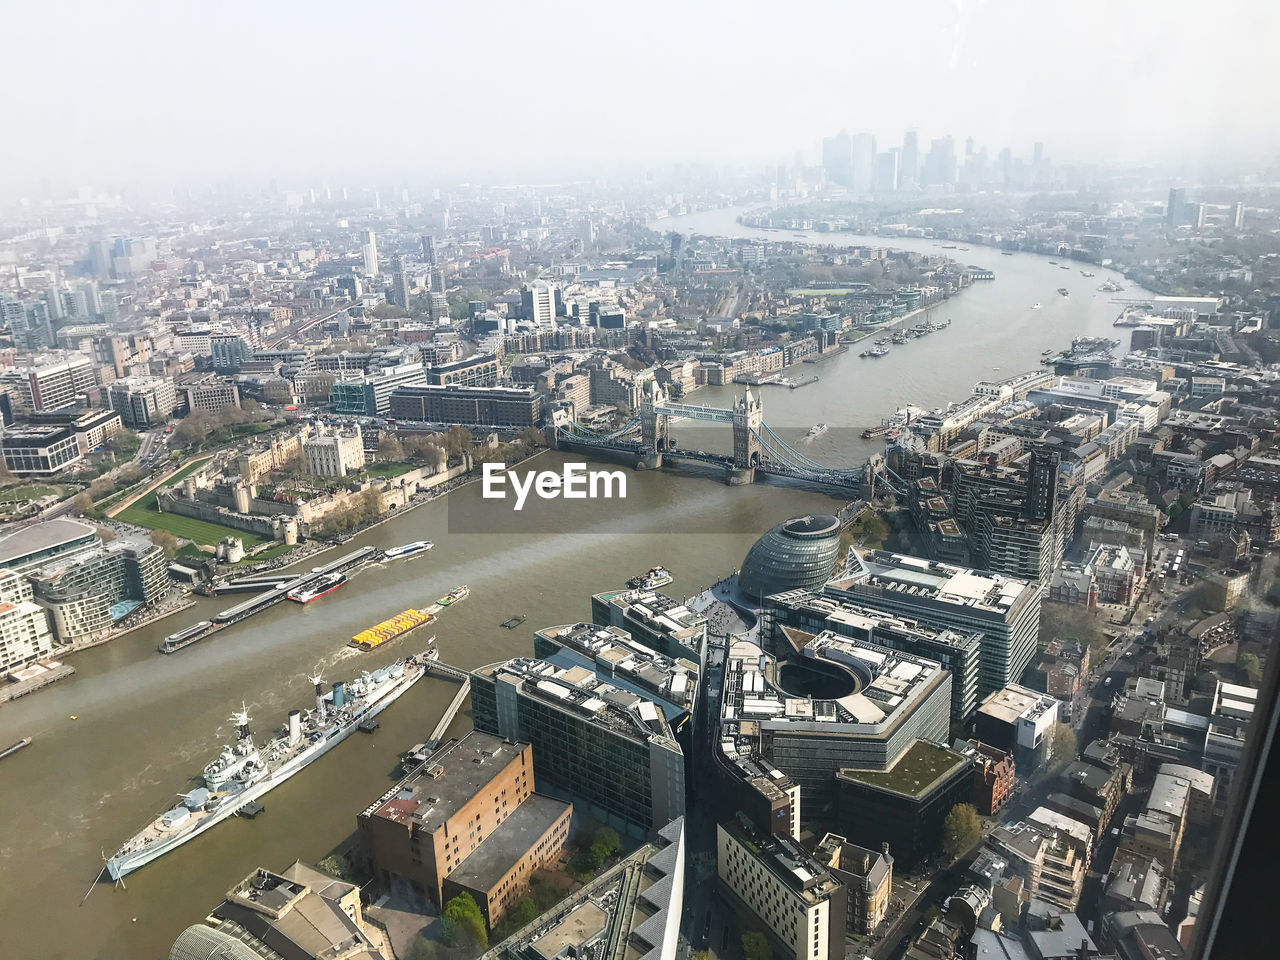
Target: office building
[(429, 250), (833, 704), (634, 906), (790, 617), (905, 803), (369, 395), (301, 914), (886, 178), (1018, 721), (602, 729), (209, 393), (1175, 213), (1004, 610), (399, 284), (512, 407), (40, 451), (799, 554), (909, 165), (467, 820), (49, 382), (774, 880), (653, 619), (143, 402), (867, 876), (334, 454), (24, 626), (229, 351), (369, 253), (482, 370), (86, 594), (538, 303)]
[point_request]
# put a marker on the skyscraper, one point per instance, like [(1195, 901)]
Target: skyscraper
[(1237, 214), (538, 303), (909, 162), (1176, 212), (940, 164), (863, 147), (886, 179), (369, 249), (837, 158), (429, 250), (399, 284)]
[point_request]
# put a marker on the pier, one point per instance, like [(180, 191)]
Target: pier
[(437, 735), (269, 598)]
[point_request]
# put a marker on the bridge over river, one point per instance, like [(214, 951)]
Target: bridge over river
[(645, 440)]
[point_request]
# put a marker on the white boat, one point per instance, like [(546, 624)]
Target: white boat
[(1036, 305), (326, 584), (242, 773), (408, 549), (817, 430)]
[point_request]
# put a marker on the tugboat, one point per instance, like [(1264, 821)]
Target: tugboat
[(453, 596)]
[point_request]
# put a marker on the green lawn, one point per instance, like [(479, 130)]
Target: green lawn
[(815, 292), (389, 469), (918, 767), (27, 491), (143, 513), (267, 554)]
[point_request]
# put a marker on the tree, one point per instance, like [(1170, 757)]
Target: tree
[(1250, 667), (462, 924), (424, 949), (6, 475), (756, 946), (960, 830), (166, 541), (106, 534), (84, 503), (390, 448), (526, 911), (1062, 745)]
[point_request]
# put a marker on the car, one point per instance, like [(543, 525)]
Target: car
[(1106, 682)]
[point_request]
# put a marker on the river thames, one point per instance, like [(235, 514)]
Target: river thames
[(147, 723)]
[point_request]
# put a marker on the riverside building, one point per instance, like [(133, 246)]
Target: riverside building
[(602, 724), (1004, 610)]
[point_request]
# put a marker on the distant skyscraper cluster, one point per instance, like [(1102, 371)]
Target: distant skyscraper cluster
[(854, 162)]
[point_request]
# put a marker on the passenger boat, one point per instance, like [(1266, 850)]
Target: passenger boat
[(317, 589), (408, 549)]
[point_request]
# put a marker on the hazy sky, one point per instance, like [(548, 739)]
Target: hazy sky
[(351, 91)]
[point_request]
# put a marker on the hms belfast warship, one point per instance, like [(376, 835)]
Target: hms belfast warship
[(243, 771)]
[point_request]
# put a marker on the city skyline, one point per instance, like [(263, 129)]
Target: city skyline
[(284, 106)]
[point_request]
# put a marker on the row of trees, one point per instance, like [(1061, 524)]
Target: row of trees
[(197, 427), (366, 508)]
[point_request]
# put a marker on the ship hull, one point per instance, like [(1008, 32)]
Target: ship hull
[(122, 866)]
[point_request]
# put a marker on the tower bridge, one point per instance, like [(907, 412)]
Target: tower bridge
[(646, 441)]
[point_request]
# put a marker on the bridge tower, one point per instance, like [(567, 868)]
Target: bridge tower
[(655, 427), (748, 414)]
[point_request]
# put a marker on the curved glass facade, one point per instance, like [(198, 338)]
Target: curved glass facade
[(799, 554), (200, 942)]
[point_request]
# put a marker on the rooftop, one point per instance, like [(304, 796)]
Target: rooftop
[(629, 904), (882, 572), (917, 768), (449, 779), (40, 537), (497, 853)]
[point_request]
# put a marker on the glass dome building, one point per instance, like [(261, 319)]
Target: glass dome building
[(799, 554)]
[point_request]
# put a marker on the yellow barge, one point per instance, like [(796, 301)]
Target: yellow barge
[(394, 627)]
